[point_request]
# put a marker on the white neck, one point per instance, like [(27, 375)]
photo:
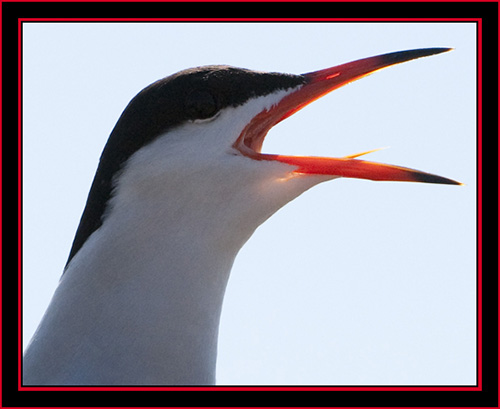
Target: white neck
[(140, 302), (141, 318)]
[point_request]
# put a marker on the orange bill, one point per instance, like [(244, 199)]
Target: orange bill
[(316, 84)]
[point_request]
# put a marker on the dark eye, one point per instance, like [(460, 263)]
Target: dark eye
[(200, 104)]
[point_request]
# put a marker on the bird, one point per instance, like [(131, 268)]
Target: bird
[(181, 185)]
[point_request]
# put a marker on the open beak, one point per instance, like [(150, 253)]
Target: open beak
[(317, 84)]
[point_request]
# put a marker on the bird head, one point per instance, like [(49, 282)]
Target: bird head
[(192, 142)]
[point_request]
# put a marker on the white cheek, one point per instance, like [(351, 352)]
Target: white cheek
[(201, 143), (219, 133)]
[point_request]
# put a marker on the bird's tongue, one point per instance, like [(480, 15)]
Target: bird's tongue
[(317, 84)]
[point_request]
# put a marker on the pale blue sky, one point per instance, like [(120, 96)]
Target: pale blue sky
[(355, 282)]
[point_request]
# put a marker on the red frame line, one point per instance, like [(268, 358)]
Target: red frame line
[(477, 387)]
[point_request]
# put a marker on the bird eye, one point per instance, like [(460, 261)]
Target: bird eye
[(200, 104)]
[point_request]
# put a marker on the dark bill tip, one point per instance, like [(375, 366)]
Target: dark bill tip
[(430, 178), (402, 56)]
